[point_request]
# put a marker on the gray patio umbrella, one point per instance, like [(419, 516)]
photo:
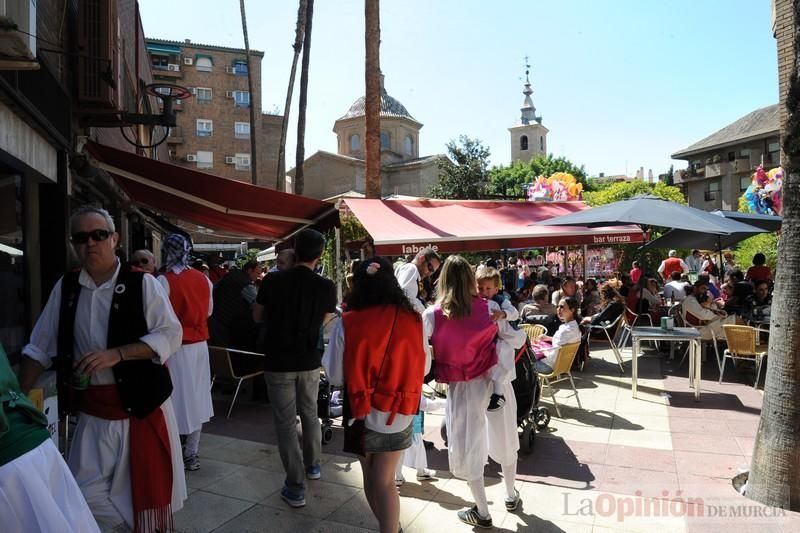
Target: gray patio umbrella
[(652, 211), (681, 238)]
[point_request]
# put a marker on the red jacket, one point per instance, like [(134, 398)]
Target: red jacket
[(394, 385), (189, 295)]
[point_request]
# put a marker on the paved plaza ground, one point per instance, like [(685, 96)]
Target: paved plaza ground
[(662, 462)]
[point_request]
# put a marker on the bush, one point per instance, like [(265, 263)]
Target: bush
[(766, 243)]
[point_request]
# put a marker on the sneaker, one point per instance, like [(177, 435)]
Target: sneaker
[(313, 472), (496, 402), (399, 481), (426, 475), (471, 517), (513, 503), (294, 499), (191, 463)]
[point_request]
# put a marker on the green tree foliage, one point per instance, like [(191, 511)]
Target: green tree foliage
[(464, 174), (249, 255), (510, 180), (627, 189)]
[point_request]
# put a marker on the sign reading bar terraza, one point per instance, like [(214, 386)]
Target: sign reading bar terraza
[(611, 239)]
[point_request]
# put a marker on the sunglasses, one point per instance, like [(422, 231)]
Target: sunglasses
[(141, 262), (97, 235)]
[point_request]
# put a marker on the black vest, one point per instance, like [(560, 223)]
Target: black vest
[(143, 385)]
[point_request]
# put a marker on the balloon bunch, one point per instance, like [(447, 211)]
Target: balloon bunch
[(765, 193), (559, 187)]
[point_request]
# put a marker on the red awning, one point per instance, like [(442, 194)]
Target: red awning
[(211, 201), (404, 226)]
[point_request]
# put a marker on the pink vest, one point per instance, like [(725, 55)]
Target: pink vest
[(465, 348)]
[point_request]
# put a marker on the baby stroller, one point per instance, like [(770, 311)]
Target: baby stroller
[(527, 391), (328, 407)]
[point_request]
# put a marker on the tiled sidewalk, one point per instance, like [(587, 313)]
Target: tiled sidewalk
[(662, 462)]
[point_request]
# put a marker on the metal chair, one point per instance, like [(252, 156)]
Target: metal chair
[(628, 324), (534, 331), (222, 368), (614, 326), (702, 329), (743, 345), (562, 369)]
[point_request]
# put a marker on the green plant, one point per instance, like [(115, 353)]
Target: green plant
[(249, 255), (765, 243)]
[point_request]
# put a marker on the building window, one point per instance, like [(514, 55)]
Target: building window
[(744, 153), (355, 143), (241, 98), (408, 145), (541, 144), (712, 190), (731, 156), (773, 153), (744, 183), (205, 128), (242, 162), (241, 130), (159, 61), (240, 67), (203, 95), (203, 64), (386, 140), (205, 159), (523, 143)]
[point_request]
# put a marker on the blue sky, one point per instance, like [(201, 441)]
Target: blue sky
[(620, 83)]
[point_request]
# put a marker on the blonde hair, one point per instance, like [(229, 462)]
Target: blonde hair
[(487, 274), (457, 287)]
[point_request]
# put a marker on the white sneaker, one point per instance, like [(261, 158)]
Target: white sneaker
[(426, 475)]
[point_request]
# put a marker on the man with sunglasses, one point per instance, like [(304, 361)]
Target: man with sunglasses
[(425, 263), (115, 330), (144, 261)]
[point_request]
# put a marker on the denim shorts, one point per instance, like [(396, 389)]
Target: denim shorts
[(376, 442)]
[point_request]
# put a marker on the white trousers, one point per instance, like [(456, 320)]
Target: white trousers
[(502, 430), (465, 417)]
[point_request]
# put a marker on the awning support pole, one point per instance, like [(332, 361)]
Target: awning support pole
[(337, 263)]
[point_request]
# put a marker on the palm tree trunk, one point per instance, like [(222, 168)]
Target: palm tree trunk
[(299, 179), (298, 47), (372, 74), (775, 470), (253, 155)]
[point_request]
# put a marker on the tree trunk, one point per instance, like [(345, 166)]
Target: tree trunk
[(299, 179), (280, 179), (253, 155), (775, 470), (372, 75)]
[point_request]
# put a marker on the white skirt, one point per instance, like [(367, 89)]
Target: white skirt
[(465, 416), (100, 461), (502, 430), (39, 494), (191, 387)]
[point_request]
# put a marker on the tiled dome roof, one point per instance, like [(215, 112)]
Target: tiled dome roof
[(389, 108)]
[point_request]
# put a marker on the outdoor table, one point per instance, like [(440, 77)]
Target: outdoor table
[(639, 334)]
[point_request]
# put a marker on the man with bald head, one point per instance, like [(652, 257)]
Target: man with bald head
[(144, 261)]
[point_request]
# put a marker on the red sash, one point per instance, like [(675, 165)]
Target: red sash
[(150, 458)]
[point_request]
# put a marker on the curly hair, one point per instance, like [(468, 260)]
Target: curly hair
[(374, 286)]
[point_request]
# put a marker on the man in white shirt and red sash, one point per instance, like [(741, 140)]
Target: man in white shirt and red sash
[(115, 329)]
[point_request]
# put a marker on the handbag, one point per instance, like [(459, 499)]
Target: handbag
[(355, 430)]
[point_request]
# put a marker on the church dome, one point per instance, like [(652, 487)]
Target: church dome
[(390, 107)]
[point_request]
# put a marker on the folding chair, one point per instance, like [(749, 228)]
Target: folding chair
[(562, 369), (743, 345), (614, 326), (222, 368), (702, 329), (534, 331)]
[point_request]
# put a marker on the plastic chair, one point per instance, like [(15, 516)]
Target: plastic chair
[(562, 369), (614, 326), (222, 368), (534, 331), (743, 345)]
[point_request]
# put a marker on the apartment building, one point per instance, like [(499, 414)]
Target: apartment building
[(721, 165), (213, 126)]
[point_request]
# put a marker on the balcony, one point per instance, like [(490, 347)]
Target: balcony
[(742, 164), (169, 72), (718, 169), (175, 135)]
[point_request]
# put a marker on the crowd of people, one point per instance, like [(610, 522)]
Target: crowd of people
[(129, 344)]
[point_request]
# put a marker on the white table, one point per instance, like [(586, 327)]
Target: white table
[(639, 334)]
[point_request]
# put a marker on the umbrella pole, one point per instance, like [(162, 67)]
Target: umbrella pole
[(721, 277)]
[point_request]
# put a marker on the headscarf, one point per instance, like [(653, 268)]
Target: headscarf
[(175, 253)]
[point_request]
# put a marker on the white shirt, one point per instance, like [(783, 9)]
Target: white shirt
[(663, 265), (675, 290), (408, 278), (567, 333), (651, 298), (91, 323), (333, 362)]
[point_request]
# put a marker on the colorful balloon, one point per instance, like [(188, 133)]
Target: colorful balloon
[(559, 187), (764, 195)]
